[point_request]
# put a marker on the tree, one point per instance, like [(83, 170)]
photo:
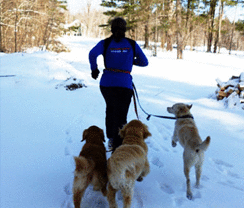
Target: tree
[(240, 26), (179, 30), (213, 4), (218, 37), (121, 8), (135, 12), (92, 19), (167, 22), (145, 11), (25, 23), (233, 28)]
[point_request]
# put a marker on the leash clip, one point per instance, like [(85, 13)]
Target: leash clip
[(148, 118)]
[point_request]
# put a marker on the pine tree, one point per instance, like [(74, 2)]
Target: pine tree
[(122, 8)]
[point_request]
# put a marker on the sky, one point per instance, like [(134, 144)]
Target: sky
[(230, 13), (76, 5)]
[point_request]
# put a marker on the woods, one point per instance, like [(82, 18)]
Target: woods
[(174, 23), (29, 23), (182, 22)]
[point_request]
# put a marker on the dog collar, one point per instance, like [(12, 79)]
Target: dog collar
[(186, 116)]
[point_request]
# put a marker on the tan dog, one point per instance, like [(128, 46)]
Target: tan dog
[(128, 163), (91, 165), (187, 134)]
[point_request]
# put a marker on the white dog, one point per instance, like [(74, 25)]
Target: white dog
[(187, 134)]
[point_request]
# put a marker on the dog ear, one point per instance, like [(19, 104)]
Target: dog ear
[(122, 132), (189, 106), (84, 135), (146, 132), (102, 133)]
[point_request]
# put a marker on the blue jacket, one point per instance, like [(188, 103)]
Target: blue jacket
[(119, 56)]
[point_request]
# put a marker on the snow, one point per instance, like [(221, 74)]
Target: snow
[(42, 125)]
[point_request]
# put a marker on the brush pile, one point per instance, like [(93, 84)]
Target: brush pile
[(71, 84), (232, 91)]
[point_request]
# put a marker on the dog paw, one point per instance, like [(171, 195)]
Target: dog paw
[(140, 179), (197, 185), (189, 196), (174, 144)]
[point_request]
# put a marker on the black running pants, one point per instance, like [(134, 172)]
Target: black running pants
[(117, 105)]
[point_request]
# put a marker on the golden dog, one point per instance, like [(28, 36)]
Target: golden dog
[(187, 134), (91, 165), (128, 163)]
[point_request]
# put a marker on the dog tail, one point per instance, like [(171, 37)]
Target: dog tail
[(204, 145), (83, 165)]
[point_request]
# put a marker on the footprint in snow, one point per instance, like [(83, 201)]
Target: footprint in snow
[(156, 161), (166, 188), (204, 178), (221, 163), (179, 201), (197, 195), (231, 185), (66, 151), (157, 147), (68, 137), (68, 189), (68, 202), (138, 197), (223, 167), (164, 129)]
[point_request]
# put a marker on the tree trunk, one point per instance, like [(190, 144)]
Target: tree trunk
[(169, 41), (191, 38), (15, 31), (1, 46), (233, 28), (169, 33), (146, 35), (156, 35), (188, 25), (211, 24), (218, 38), (179, 35), (162, 40), (45, 35)]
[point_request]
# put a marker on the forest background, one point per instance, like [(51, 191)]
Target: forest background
[(158, 23)]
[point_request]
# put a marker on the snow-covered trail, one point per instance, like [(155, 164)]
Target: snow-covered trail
[(41, 128)]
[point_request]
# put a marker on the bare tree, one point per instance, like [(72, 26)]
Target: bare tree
[(179, 30), (211, 24), (26, 23), (233, 28), (169, 32), (91, 18), (218, 38)]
